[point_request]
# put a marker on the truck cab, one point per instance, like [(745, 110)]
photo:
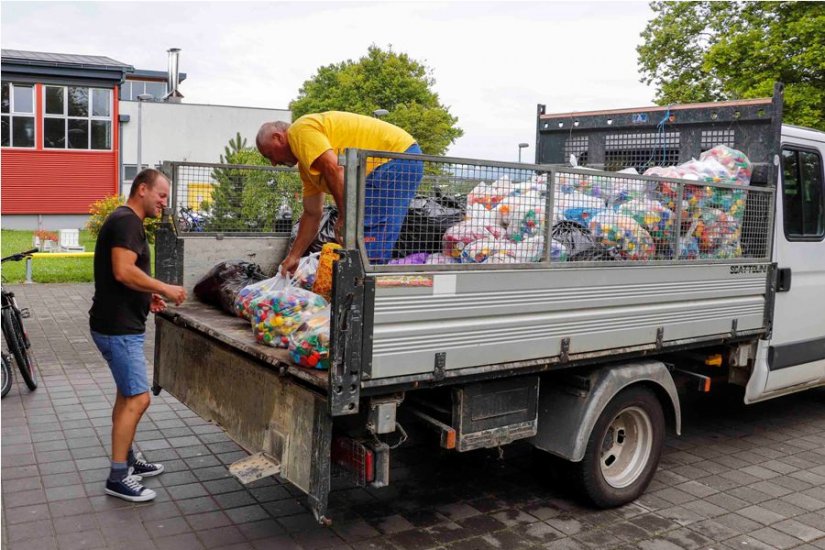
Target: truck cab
[(793, 357)]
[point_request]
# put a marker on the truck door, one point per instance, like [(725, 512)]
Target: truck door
[(796, 355)]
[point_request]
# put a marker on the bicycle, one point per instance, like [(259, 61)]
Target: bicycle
[(15, 334), (7, 379)]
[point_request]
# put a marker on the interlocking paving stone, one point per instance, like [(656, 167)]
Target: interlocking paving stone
[(745, 477)]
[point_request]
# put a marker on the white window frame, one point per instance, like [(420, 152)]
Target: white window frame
[(12, 113), (66, 118)]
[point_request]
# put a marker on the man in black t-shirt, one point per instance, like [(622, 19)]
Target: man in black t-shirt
[(125, 293)]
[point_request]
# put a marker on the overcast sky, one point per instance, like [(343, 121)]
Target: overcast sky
[(493, 62)]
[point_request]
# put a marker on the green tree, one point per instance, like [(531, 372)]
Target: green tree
[(707, 51), (383, 80), (249, 199)]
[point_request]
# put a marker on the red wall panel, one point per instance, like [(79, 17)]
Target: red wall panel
[(56, 182)]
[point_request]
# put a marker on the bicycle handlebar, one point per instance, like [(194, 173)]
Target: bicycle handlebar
[(20, 255)]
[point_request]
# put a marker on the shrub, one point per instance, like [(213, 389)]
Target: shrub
[(100, 210)]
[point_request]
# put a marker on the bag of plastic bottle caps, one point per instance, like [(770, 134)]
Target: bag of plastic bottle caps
[(305, 272), (463, 233), (736, 163), (652, 215), (278, 314), (624, 234), (478, 251), (309, 345), (250, 293)]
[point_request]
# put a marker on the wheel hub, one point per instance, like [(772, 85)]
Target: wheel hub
[(626, 447)]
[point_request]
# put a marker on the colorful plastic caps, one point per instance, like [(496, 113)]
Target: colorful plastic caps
[(652, 215), (718, 235), (309, 345), (629, 238), (490, 194), (323, 277), (522, 215), (252, 292), (736, 163), (277, 314)]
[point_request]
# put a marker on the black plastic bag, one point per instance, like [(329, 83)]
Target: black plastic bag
[(326, 231), (579, 243), (428, 218), (221, 285)]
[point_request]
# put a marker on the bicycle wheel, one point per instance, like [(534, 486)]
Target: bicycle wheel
[(17, 342), (6, 381)]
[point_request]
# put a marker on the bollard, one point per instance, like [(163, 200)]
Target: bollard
[(29, 270)]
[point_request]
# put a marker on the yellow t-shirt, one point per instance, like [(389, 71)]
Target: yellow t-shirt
[(312, 135)]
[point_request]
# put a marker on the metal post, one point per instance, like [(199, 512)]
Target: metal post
[(141, 98), (29, 270), (139, 136)]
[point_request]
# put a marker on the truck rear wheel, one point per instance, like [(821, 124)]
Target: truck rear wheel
[(623, 450)]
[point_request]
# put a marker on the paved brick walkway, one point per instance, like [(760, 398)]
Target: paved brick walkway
[(740, 477)]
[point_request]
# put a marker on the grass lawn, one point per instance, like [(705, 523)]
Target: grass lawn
[(49, 270)]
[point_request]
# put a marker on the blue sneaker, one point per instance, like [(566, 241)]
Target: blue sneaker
[(143, 469), (129, 488)]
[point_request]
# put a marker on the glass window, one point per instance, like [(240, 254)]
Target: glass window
[(54, 133), (129, 172), (78, 133), (6, 97), (101, 134), (126, 91), (156, 89), (54, 101), (100, 102), (78, 101), (17, 120), (803, 197), (22, 131), (23, 99), (78, 118)]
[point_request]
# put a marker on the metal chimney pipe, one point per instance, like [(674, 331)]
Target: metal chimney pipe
[(173, 95)]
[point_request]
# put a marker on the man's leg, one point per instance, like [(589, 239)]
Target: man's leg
[(126, 415), (124, 353), (389, 190)]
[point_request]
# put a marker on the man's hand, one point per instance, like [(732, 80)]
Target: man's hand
[(176, 294), (289, 265), (158, 304)]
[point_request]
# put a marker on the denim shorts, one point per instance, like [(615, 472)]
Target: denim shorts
[(124, 353)]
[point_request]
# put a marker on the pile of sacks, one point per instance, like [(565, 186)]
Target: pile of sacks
[(294, 312), (635, 219)]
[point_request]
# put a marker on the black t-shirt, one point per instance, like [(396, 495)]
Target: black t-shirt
[(117, 309)]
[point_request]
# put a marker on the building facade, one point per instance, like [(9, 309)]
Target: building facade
[(70, 126)]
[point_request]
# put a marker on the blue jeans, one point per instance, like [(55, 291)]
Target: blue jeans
[(389, 190), (124, 354)]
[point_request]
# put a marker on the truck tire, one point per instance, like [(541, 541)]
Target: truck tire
[(623, 450)]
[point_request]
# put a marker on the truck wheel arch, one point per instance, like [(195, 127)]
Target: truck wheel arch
[(569, 407)]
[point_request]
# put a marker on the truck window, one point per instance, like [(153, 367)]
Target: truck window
[(803, 199)]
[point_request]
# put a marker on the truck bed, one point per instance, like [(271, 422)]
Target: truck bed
[(236, 333)]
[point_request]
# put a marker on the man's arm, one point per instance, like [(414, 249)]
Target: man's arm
[(307, 229), (127, 273), (333, 174)]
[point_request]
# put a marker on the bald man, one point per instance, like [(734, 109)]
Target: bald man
[(314, 142)]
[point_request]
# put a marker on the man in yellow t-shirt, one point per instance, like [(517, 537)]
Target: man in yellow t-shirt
[(313, 142)]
